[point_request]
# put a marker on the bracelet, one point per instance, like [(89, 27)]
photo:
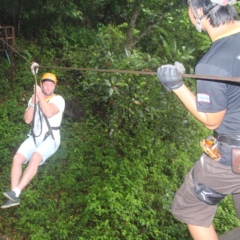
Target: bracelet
[(30, 104)]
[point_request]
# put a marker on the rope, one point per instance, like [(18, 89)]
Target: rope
[(144, 72), (35, 111), (196, 76), (104, 70), (14, 50)]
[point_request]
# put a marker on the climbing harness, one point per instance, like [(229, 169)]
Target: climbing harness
[(50, 129)]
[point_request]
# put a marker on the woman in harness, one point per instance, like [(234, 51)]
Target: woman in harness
[(217, 106), (44, 112)]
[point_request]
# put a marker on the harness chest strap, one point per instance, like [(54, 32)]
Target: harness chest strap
[(49, 132)]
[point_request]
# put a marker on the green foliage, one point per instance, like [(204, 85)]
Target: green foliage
[(226, 207), (98, 194), (127, 143), (114, 170)]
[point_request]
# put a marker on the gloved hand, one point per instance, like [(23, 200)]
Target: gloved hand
[(34, 68), (169, 76)]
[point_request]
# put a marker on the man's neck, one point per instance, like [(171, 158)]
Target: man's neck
[(48, 97), (223, 30)]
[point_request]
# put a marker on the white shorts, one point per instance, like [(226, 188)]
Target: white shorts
[(45, 148)]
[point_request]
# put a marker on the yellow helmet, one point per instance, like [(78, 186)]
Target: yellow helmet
[(49, 77)]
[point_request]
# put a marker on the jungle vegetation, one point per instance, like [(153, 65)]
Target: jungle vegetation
[(127, 143)]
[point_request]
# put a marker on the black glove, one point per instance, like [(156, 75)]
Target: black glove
[(169, 76)]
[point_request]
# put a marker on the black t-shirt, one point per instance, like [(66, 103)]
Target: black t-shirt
[(222, 59)]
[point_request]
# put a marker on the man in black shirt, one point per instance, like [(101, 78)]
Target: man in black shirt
[(217, 106)]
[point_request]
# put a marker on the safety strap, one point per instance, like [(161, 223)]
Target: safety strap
[(34, 69), (49, 128), (49, 132), (33, 122), (48, 124)]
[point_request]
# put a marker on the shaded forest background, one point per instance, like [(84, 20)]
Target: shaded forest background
[(126, 142)]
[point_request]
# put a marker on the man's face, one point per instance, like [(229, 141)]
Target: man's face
[(191, 16), (48, 87)]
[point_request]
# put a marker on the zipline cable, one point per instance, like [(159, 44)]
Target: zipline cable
[(14, 50), (196, 76), (144, 72)]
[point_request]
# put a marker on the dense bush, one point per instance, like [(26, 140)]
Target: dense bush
[(127, 143)]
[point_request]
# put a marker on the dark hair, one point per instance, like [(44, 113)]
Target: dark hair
[(216, 13)]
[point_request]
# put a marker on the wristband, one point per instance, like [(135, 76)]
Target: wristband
[(30, 104)]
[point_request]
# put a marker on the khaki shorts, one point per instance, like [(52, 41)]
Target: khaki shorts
[(188, 208)]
